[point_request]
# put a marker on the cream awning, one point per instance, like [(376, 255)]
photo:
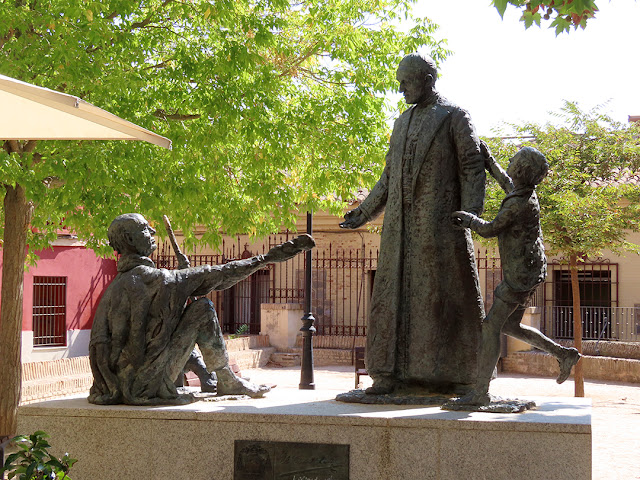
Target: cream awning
[(35, 113)]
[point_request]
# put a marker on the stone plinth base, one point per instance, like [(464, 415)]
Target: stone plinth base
[(385, 441)]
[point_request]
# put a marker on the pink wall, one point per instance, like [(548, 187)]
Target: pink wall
[(87, 277)]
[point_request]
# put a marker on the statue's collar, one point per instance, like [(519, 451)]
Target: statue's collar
[(132, 260), (523, 191), (431, 99)]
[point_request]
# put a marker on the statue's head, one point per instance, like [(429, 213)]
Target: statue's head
[(528, 167), (131, 233), (417, 76)]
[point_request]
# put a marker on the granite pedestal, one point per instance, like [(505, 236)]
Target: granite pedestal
[(385, 442)]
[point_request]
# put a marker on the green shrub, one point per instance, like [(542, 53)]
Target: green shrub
[(33, 461), (241, 330)]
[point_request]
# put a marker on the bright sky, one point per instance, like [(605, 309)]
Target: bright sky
[(501, 72)]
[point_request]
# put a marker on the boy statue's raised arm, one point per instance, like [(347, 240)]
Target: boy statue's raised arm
[(495, 169)]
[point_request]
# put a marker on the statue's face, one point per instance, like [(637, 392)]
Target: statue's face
[(141, 236), (513, 163), (415, 85)]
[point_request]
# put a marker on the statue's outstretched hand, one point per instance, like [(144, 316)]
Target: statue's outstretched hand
[(290, 249), (353, 219), (462, 219)]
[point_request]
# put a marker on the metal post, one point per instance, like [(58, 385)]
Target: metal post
[(306, 372)]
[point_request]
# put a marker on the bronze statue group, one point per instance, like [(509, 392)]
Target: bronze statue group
[(427, 331)]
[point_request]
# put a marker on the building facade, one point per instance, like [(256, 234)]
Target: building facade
[(61, 294)]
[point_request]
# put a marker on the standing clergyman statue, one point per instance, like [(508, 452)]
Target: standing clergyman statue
[(426, 306), (144, 331)]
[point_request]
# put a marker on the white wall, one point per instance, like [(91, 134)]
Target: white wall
[(77, 346)]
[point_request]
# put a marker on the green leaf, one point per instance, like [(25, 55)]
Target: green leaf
[(501, 6), (55, 463), (11, 458), (530, 18), (30, 470)]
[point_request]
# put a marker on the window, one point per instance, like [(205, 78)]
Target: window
[(49, 311), (597, 284)]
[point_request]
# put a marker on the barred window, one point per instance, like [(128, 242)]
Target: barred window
[(49, 311)]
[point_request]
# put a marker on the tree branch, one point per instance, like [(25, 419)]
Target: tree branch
[(147, 20), (160, 113), (29, 146), (310, 51), (53, 182), (319, 79), (162, 64), (6, 37), (141, 24), (14, 146)]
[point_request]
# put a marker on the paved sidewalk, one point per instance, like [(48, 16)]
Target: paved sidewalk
[(615, 422)]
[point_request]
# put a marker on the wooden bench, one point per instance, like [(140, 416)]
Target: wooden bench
[(361, 369)]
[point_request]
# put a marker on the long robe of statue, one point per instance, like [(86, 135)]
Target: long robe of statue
[(427, 308)]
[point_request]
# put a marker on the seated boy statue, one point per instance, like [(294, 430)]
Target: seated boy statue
[(144, 329), (524, 265)]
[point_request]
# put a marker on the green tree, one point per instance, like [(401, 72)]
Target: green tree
[(561, 14), (590, 200), (272, 105)]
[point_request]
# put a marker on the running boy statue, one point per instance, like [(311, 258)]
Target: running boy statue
[(517, 226)]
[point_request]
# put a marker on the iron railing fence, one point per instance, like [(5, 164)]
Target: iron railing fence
[(598, 323), (342, 281), (341, 284), (238, 307), (599, 282), (490, 273)]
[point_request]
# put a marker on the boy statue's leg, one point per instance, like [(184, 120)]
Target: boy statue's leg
[(214, 352), (490, 346), (489, 352), (567, 356)]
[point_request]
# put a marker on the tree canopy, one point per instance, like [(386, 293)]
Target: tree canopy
[(559, 14), (272, 106)]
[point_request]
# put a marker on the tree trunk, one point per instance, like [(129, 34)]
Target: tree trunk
[(17, 216), (578, 375)]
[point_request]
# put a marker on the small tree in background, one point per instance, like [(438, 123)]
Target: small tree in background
[(590, 200)]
